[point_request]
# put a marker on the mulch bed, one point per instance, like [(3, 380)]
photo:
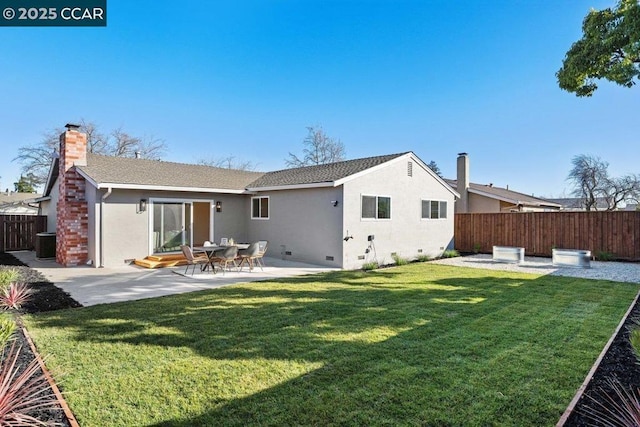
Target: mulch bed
[(619, 363), (45, 297)]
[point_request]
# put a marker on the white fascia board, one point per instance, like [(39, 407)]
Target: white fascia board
[(50, 174), (294, 186), (42, 199)]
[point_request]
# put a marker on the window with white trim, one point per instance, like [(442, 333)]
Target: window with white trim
[(260, 207), (376, 207), (434, 209)]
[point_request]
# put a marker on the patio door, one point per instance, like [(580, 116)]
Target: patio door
[(172, 225)]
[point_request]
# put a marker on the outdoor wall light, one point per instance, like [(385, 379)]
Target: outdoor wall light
[(218, 206), (143, 205), (334, 203)]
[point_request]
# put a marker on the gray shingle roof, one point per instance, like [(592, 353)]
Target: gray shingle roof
[(506, 195), (319, 174), (141, 172)]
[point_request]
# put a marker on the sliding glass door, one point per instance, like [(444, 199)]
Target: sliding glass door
[(172, 223)]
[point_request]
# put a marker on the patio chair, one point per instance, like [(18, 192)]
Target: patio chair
[(248, 255), (225, 257), (193, 259), (262, 249)]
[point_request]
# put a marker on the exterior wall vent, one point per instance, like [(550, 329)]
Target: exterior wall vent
[(419, 251), (360, 257), (287, 252), (409, 168), (329, 258)]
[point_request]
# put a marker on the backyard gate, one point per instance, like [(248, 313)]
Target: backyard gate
[(19, 231)]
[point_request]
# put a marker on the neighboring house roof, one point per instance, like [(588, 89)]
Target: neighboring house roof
[(18, 203), (506, 195), (124, 172), (577, 203), (15, 197)]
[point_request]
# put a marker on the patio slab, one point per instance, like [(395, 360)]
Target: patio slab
[(91, 286)]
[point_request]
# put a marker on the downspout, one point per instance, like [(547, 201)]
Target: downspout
[(104, 197)]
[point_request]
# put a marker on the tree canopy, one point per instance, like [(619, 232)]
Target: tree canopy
[(609, 49), (434, 167), (319, 149), (26, 184), (35, 159)]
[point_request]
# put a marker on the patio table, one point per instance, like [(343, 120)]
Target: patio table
[(212, 249)]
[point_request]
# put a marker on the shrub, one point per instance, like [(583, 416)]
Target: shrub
[(7, 276), (621, 408), (15, 295), (604, 256), (450, 253), (7, 329), (476, 248), (399, 260), (368, 266), (22, 391), (423, 258)]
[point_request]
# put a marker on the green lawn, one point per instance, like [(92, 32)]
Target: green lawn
[(420, 344)]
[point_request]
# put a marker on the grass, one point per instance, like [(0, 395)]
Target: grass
[(420, 344)]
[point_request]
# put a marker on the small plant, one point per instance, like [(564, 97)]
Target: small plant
[(22, 391), (634, 339), (399, 260), (368, 266), (605, 256), (450, 253), (15, 296), (7, 329), (7, 276), (423, 258), (620, 408), (476, 248)]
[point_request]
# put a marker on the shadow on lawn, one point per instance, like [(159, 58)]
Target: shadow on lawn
[(368, 332)]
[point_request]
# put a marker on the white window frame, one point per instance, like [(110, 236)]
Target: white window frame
[(260, 208), (440, 202), (377, 196)]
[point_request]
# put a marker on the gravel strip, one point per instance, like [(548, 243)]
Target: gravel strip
[(615, 271)]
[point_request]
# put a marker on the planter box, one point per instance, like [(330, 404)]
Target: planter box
[(508, 254), (571, 258)]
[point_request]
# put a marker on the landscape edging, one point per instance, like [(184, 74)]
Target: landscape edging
[(567, 413), (63, 403)]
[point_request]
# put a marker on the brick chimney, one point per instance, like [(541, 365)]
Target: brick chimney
[(72, 215), (462, 205)]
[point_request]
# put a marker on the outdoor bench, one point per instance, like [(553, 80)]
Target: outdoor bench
[(571, 258), (508, 254)]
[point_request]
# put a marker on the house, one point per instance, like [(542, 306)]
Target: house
[(480, 198), (577, 204), (110, 210), (14, 203)]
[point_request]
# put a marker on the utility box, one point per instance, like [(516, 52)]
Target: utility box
[(45, 245)]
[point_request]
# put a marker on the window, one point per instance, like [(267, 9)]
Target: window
[(376, 207), (260, 208), (434, 209)]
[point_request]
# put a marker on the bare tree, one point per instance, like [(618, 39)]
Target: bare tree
[(36, 158), (592, 182), (588, 175), (319, 149), (229, 162)]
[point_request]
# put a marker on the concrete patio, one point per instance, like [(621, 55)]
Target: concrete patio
[(91, 286)]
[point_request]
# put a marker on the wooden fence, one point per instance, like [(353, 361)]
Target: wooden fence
[(18, 232), (617, 233)]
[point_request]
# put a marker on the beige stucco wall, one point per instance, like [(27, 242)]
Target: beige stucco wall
[(406, 233), (303, 222), (479, 204)]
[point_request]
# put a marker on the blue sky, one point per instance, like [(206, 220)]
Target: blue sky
[(245, 78)]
